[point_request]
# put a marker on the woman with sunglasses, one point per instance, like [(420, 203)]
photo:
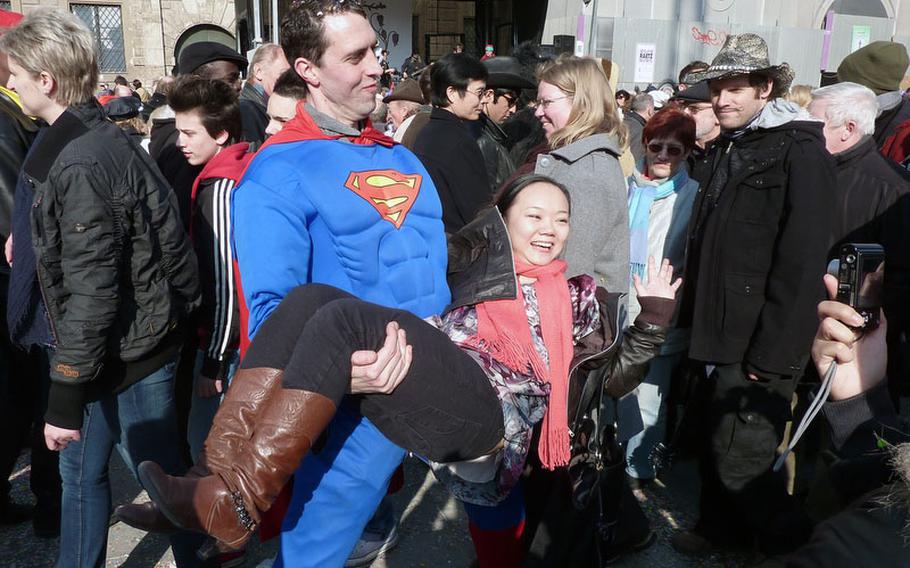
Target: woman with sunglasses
[(660, 204)]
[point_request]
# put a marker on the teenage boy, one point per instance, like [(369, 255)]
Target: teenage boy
[(207, 115)]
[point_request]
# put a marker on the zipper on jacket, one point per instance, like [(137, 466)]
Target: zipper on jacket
[(616, 339), (47, 312)]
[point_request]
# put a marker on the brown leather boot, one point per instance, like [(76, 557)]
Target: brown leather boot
[(226, 504), (231, 427)]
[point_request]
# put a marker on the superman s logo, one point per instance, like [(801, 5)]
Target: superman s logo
[(390, 192)]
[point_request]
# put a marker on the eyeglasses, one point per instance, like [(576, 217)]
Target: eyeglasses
[(478, 93), (672, 149), (544, 103)]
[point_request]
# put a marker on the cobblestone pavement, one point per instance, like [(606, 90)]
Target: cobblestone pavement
[(433, 528)]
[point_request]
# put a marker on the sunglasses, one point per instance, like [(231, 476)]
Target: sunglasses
[(672, 149)]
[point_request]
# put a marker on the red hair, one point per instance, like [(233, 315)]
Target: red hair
[(670, 122)]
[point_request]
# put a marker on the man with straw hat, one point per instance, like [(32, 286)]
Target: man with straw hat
[(756, 253)]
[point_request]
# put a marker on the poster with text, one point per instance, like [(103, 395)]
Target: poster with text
[(644, 62)]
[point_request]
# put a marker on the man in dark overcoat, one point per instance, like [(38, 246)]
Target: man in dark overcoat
[(756, 255)]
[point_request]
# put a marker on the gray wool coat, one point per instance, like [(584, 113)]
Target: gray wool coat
[(599, 240)]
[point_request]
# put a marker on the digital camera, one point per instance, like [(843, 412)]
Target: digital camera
[(860, 275)]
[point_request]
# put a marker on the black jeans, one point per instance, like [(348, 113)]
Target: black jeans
[(445, 409), (24, 383), (744, 422)]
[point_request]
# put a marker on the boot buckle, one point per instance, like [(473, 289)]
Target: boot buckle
[(246, 521)]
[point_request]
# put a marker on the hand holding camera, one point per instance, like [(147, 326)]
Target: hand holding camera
[(861, 354), (849, 348)]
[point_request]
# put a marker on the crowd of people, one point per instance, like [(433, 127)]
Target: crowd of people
[(265, 282)]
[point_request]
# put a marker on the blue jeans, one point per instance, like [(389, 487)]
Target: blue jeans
[(202, 410), (141, 422), (650, 394)]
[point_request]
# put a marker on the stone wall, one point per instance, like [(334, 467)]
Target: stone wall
[(151, 29)]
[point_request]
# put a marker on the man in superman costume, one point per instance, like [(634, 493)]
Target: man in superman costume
[(327, 200)]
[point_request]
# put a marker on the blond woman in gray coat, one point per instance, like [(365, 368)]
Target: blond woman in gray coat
[(585, 137)]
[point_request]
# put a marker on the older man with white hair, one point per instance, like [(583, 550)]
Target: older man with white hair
[(872, 204)]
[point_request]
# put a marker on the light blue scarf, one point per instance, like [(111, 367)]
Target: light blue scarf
[(641, 197)]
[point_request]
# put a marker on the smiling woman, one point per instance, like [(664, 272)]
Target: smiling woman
[(585, 138), (469, 387)]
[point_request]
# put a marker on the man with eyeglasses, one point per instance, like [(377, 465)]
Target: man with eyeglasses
[(447, 145), (500, 101), (696, 102)]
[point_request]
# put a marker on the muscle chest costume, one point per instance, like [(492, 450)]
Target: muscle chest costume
[(360, 213)]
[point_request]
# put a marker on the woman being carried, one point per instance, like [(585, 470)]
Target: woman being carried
[(478, 378)]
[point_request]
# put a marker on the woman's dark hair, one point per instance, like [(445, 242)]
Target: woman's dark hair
[(215, 101), (303, 27), (291, 85), (455, 70), (509, 191)]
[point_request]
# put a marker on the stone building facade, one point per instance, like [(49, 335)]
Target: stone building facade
[(651, 40), (138, 38)]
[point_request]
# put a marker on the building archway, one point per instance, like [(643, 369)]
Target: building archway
[(204, 32), (868, 8)]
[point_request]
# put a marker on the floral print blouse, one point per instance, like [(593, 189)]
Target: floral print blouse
[(522, 396)]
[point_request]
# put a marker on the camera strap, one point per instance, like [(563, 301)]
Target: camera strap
[(810, 415)]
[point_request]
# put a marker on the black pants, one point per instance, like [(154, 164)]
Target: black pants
[(744, 423), (24, 385), (445, 409), (558, 534)]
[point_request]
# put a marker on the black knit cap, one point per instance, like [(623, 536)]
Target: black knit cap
[(197, 54)]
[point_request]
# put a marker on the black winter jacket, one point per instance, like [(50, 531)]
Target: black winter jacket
[(115, 266), (873, 206), (757, 249), (449, 152), (492, 142), (17, 132), (253, 116), (858, 528)]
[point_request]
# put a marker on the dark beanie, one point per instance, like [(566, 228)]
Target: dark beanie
[(881, 66)]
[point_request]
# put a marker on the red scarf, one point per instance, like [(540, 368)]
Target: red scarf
[(303, 127), (504, 332)]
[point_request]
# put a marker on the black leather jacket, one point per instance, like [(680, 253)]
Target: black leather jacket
[(481, 270), (16, 134), (492, 142), (115, 266)]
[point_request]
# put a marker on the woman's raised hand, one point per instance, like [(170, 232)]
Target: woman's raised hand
[(660, 282)]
